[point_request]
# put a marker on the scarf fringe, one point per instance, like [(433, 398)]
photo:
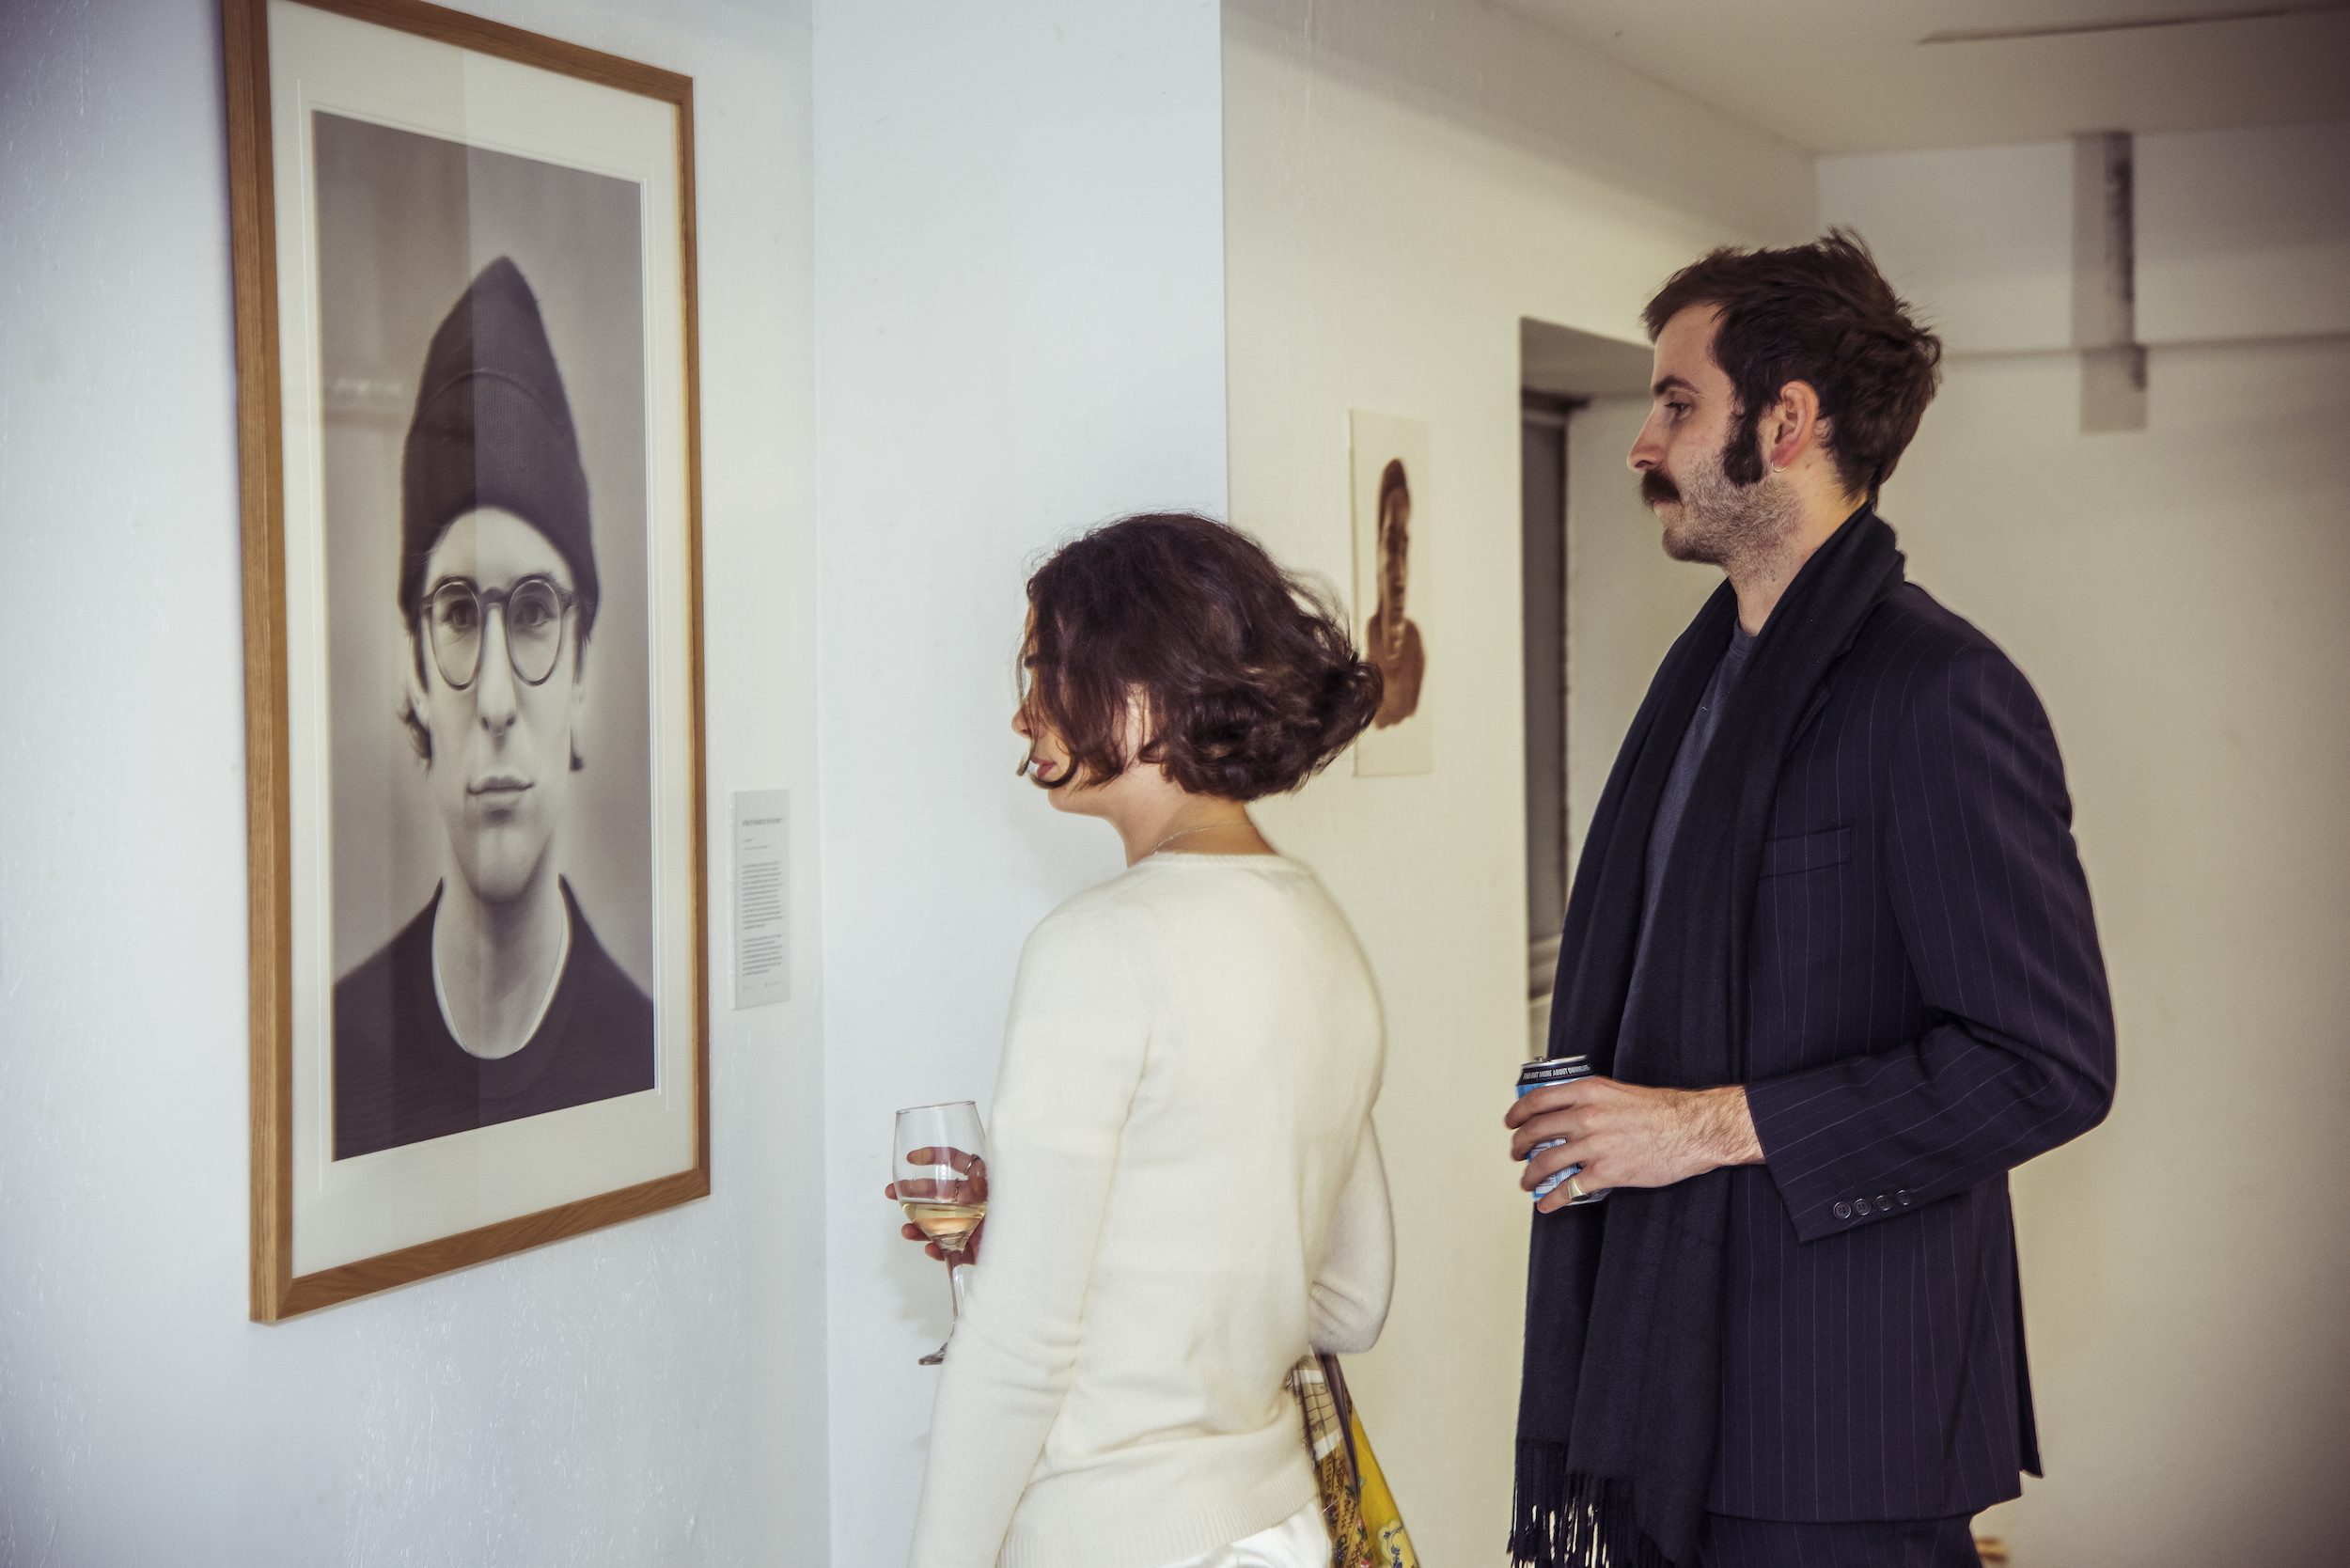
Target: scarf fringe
[(1559, 1519)]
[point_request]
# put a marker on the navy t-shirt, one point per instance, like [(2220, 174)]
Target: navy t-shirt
[(1675, 800)]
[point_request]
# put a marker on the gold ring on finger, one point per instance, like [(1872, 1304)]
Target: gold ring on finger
[(1574, 1190)]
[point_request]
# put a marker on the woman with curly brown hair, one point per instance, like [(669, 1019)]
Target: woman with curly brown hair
[(1185, 1192)]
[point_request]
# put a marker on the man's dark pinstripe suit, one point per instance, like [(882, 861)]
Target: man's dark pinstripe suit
[(1929, 1010)]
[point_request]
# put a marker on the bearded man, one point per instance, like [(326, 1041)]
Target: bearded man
[(1831, 954)]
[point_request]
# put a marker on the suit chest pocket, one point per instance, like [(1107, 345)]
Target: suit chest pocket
[(1806, 851)]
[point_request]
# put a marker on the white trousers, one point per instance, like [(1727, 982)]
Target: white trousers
[(1299, 1540)]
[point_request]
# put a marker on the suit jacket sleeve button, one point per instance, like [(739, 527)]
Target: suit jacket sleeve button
[(1882, 1207), (1861, 1207), (1843, 1210), (1903, 1197)]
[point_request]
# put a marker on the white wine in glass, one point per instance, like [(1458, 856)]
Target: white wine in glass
[(947, 1224), (940, 1167)]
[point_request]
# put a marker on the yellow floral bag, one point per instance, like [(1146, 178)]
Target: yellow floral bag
[(1365, 1530)]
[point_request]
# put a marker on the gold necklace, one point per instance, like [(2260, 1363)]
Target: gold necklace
[(1185, 833)]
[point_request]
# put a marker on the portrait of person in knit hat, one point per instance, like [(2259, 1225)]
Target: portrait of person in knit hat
[(495, 1001), (480, 960)]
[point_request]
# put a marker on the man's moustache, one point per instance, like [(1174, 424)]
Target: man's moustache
[(1655, 488)]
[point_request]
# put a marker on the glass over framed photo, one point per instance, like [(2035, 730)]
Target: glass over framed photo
[(464, 269)]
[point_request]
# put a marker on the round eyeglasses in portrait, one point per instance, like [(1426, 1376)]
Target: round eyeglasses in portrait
[(531, 613)]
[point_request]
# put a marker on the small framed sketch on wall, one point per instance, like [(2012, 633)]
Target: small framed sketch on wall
[(1390, 496), (465, 358)]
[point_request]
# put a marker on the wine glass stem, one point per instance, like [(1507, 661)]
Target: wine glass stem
[(955, 1289)]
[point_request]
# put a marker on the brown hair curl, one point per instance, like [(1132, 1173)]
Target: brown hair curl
[(1820, 313), (1248, 682)]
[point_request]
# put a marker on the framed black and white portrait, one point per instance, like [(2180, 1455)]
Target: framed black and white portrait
[(465, 336)]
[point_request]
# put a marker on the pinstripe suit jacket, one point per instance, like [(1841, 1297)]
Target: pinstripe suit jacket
[(1929, 1010)]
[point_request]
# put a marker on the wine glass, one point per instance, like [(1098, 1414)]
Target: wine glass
[(940, 1168)]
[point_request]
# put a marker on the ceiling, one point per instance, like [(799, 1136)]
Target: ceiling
[(1854, 76)]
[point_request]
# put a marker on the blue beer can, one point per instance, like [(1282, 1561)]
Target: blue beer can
[(1543, 1074)]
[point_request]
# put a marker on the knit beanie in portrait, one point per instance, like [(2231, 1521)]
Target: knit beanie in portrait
[(493, 429)]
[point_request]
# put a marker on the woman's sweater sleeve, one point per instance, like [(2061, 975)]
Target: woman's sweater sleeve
[(1074, 1056), (1350, 1295)]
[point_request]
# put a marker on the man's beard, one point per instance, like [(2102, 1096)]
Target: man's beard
[(1720, 520)]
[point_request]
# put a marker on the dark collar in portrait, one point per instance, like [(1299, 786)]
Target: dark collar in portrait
[(401, 1078)]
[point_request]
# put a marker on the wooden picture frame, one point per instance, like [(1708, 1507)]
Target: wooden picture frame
[(379, 150)]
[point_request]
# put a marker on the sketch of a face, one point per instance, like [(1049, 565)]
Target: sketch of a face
[(501, 743), (1395, 548)]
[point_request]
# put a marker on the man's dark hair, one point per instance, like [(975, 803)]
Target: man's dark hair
[(1248, 680), (1820, 313)]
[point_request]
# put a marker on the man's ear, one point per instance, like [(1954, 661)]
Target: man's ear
[(414, 699), (579, 706), (1791, 427)]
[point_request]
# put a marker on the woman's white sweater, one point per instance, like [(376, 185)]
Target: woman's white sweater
[(1184, 1192)]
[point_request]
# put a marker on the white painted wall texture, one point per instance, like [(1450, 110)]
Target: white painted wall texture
[(650, 1394), (1021, 332), (1404, 182)]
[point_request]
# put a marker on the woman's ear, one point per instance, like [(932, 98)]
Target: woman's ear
[(1138, 737)]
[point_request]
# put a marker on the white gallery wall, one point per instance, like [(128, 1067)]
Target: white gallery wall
[(2176, 595), (648, 1394), (1403, 181), (1020, 265)]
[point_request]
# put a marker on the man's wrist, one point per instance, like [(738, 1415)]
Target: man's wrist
[(1734, 1139)]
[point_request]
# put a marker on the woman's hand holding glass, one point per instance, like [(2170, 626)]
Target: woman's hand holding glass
[(949, 1236), (940, 1164)]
